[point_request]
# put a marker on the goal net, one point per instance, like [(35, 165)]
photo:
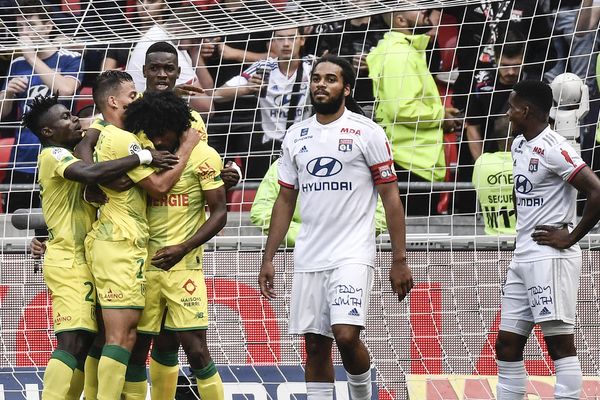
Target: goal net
[(455, 176)]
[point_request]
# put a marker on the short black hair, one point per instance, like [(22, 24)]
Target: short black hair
[(106, 84), (158, 112), (33, 119), (513, 46), (536, 93), (161, 47)]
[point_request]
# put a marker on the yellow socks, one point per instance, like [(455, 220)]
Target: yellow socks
[(111, 372), (164, 371), (76, 387), (57, 377), (209, 382), (136, 383), (90, 387)]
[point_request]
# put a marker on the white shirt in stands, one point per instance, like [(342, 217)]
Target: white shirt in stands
[(542, 170), (137, 58), (274, 105), (336, 167)]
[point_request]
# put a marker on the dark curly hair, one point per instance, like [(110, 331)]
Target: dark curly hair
[(38, 108), (349, 77), (158, 112)]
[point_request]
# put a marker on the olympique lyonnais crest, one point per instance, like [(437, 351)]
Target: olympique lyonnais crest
[(533, 164), (345, 145)]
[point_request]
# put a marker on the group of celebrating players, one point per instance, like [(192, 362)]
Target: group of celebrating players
[(138, 261)]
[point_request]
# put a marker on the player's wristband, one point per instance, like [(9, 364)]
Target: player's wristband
[(237, 168), (145, 157)]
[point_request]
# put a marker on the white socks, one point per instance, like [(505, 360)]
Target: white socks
[(568, 378), (512, 380), (360, 385), (319, 390)]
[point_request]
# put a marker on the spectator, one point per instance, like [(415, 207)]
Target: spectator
[(488, 101), (353, 39), (493, 181), (36, 72), (409, 106), (231, 123), (158, 32), (267, 192), (483, 26), (282, 97)]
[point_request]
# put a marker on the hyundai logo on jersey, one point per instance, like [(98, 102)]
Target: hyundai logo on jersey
[(522, 184), (323, 167)]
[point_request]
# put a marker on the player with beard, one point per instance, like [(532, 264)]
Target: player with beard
[(340, 160)]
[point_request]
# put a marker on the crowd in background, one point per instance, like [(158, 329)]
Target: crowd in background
[(436, 80)]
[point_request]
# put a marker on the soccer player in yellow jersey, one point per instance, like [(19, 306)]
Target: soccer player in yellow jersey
[(116, 247), (178, 225), (69, 218)]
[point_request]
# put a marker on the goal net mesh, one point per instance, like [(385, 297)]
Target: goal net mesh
[(436, 344)]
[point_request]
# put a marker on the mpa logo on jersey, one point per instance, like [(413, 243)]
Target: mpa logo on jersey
[(350, 131), (533, 165), (345, 145), (134, 148)]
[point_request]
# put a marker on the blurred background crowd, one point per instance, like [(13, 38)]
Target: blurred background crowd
[(436, 80)]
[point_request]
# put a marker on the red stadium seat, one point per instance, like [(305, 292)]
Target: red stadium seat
[(83, 99), (6, 145), (447, 40)]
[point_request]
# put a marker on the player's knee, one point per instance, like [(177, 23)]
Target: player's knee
[(560, 339), (318, 350), (76, 343), (347, 339), (124, 338), (508, 348)]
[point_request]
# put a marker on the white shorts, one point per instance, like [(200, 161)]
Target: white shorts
[(325, 298), (539, 291)]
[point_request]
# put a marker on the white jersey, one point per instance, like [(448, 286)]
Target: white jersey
[(542, 170), (336, 167), (275, 104)]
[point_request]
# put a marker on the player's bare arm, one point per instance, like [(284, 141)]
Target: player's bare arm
[(585, 182), (159, 184), (85, 148), (106, 171), (168, 256), (283, 211), (400, 275)]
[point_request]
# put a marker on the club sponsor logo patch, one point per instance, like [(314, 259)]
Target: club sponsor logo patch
[(345, 145)]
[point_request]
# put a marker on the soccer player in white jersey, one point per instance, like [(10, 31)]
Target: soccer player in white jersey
[(543, 277), (340, 160)]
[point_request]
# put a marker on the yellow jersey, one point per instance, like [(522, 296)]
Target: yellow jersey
[(68, 217), (177, 216), (124, 215)]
